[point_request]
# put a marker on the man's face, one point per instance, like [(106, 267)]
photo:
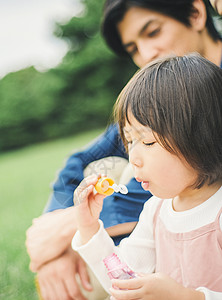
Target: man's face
[(147, 35), (217, 4)]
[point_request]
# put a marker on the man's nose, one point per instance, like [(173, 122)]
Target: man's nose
[(147, 53)]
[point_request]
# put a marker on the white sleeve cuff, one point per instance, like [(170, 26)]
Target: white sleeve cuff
[(101, 238), (210, 295)]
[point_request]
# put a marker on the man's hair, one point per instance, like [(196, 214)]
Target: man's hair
[(114, 11), (180, 99)]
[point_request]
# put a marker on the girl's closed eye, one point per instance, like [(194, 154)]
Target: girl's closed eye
[(128, 140), (149, 144)]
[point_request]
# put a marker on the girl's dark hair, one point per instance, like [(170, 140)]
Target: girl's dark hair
[(114, 11), (180, 99)]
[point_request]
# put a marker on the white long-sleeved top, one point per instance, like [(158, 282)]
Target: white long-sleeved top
[(138, 250)]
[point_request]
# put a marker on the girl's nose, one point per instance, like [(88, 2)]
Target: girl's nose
[(134, 157)]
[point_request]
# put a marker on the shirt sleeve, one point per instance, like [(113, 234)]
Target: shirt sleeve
[(104, 246), (210, 295), (137, 251), (108, 144)]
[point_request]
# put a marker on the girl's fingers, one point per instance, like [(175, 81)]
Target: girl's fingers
[(84, 189), (127, 289), (129, 284), (92, 179), (82, 195), (126, 294)]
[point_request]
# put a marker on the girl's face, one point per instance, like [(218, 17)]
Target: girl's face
[(217, 4), (147, 35), (159, 171)]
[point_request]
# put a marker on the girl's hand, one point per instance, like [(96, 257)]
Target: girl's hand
[(152, 287), (88, 206)]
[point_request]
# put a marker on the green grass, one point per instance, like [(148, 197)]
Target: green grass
[(25, 176)]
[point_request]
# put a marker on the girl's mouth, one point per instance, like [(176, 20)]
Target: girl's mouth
[(145, 185)]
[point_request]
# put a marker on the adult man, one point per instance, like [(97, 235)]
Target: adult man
[(143, 30)]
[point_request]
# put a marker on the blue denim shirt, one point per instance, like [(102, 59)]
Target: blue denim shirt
[(117, 208)]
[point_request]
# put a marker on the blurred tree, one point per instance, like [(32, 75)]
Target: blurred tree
[(94, 75), (27, 98), (77, 95)]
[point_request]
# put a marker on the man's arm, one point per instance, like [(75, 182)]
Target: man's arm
[(49, 236)]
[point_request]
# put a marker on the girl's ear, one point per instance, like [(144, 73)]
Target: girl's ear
[(198, 18)]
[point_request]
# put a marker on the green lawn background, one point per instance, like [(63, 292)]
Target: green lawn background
[(25, 177)]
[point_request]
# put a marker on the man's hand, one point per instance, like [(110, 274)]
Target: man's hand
[(57, 279), (49, 236)]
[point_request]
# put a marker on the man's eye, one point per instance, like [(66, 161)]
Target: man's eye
[(132, 52), (149, 144), (154, 32)]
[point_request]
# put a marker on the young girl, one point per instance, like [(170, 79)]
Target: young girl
[(170, 118)]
